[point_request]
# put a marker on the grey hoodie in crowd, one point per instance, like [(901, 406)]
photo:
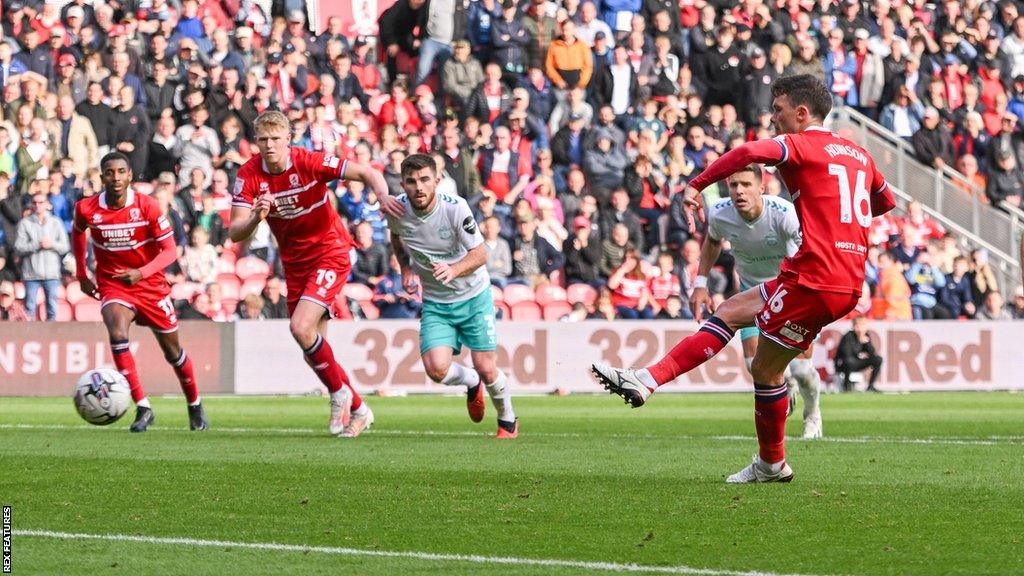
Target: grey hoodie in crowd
[(37, 263)]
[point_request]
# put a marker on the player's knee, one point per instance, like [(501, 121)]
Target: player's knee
[(117, 332), (488, 373), (436, 373), (303, 332)]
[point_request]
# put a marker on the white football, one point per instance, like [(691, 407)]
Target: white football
[(102, 396)]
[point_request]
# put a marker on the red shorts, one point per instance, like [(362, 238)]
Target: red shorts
[(152, 305), (320, 282), (793, 315)]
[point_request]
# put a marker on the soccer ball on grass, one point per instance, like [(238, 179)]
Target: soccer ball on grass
[(102, 396)]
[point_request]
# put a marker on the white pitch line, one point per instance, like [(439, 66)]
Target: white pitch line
[(931, 440), (429, 556)]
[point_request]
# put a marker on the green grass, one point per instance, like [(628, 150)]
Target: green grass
[(588, 480)]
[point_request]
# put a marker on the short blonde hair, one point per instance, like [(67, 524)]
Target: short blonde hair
[(271, 120)]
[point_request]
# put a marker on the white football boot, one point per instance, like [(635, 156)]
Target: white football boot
[(358, 424), (622, 381), (341, 411), (758, 471), (812, 427)]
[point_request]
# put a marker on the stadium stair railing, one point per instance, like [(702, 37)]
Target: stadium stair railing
[(942, 193)]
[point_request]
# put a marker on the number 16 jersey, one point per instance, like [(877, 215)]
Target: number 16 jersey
[(832, 182)]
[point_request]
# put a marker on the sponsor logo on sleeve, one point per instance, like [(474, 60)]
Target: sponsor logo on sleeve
[(164, 224), (331, 161), (239, 184), (469, 225)]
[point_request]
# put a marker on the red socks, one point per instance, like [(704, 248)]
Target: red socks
[(320, 357), (187, 379), (771, 407), (125, 363), (692, 351)]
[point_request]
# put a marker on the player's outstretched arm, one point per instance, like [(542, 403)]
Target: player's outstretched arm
[(375, 181), (701, 297), (769, 152)]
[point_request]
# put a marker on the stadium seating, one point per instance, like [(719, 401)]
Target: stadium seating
[(185, 290), (88, 310), (64, 311), (516, 293), (502, 310), (360, 292), (555, 310), (73, 293), (549, 293), (225, 266), (581, 293), (230, 286), (252, 285), (526, 311), (251, 265), (497, 294)]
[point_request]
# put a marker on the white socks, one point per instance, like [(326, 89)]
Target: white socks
[(144, 403), (645, 378), (501, 398), (809, 383), (459, 375), (198, 401)]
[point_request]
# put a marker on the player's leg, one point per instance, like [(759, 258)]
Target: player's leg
[(305, 326), (771, 406), (118, 317), (182, 364), (439, 342), (485, 362), (809, 383), (474, 320), (635, 386)]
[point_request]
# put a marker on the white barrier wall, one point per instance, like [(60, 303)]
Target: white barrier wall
[(539, 356)]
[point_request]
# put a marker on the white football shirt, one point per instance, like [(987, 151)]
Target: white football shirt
[(761, 245), (446, 235)]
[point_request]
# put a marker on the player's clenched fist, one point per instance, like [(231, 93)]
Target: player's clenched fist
[(693, 201), (409, 281), (263, 204), (700, 298), (443, 272)]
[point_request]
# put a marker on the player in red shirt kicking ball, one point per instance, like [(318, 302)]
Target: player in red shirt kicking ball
[(133, 244), (836, 189), (287, 186)]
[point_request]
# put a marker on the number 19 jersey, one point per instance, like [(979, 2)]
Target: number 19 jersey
[(831, 181)]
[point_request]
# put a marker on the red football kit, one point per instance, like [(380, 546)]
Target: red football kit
[(313, 240), (136, 236), (836, 190)]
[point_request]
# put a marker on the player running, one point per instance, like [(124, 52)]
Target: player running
[(762, 230), (836, 189), (438, 241), (133, 244), (288, 187)]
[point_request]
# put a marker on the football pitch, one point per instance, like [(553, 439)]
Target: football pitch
[(902, 484)]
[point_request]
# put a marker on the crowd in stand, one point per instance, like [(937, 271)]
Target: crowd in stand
[(569, 126)]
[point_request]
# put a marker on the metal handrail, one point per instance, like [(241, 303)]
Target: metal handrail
[(1006, 259)]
